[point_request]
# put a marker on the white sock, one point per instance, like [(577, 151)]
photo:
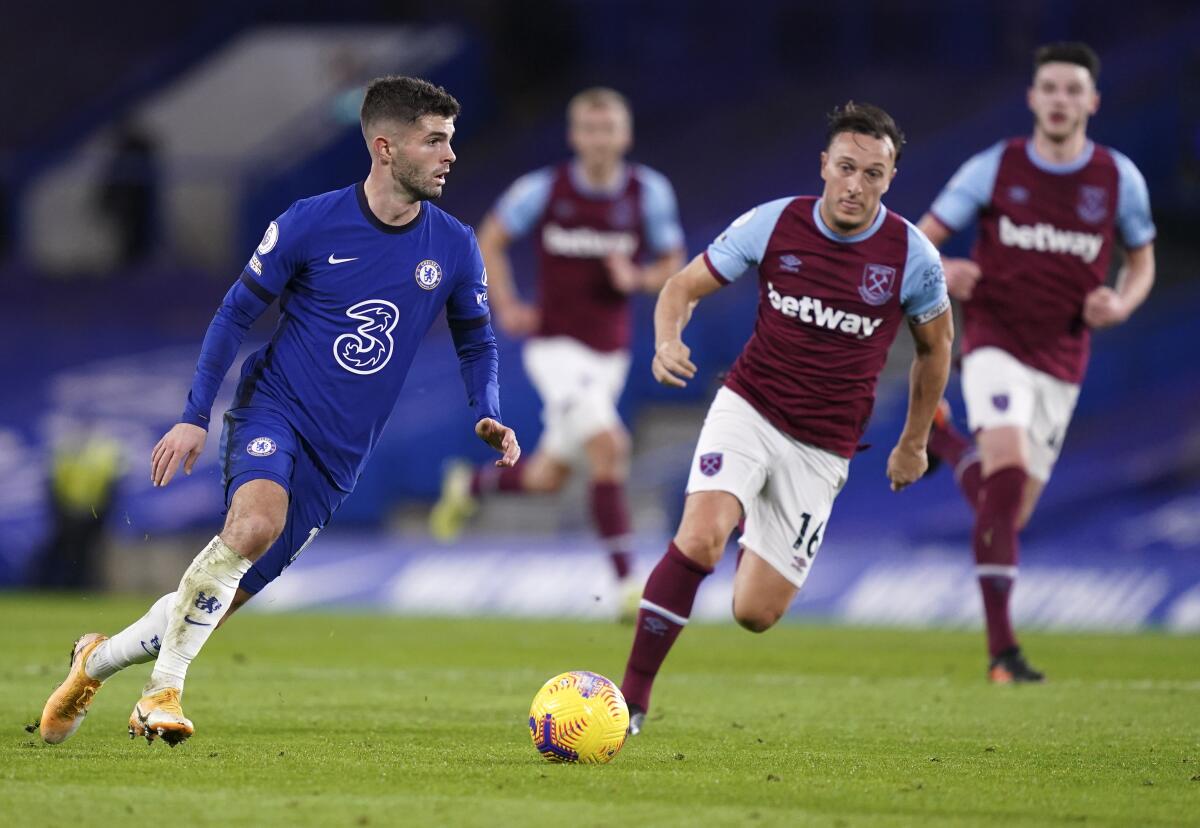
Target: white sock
[(136, 644), (205, 592)]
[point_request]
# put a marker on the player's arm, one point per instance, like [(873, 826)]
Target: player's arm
[(740, 247), (628, 277), (934, 341), (185, 441), (681, 293), (467, 314), (516, 213), (266, 274), (514, 316), (664, 240), (927, 305), (1105, 306), (967, 193)]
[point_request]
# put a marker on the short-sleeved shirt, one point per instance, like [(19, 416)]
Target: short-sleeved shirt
[(575, 227), (1046, 237), (829, 308)]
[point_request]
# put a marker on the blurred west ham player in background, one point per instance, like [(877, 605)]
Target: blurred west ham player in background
[(839, 276), (360, 274), (604, 229), (1051, 210)]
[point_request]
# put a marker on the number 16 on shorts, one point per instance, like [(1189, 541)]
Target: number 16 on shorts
[(807, 542)]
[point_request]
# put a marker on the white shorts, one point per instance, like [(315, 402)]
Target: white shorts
[(1000, 390), (786, 487), (579, 388)]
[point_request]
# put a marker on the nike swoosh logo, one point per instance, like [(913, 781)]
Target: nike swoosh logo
[(149, 652), (188, 619), (335, 260)]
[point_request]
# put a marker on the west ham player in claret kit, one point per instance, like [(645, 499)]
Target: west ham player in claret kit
[(1052, 209), (360, 274), (839, 275), (604, 229)]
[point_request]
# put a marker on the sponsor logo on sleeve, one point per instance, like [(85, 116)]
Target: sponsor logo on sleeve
[(711, 463), (256, 264), (269, 239), (261, 447)]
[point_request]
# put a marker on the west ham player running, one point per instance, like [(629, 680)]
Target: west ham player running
[(838, 276), (1051, 209), (360, 275), (592, 219)]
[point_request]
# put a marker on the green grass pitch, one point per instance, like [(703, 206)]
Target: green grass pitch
[(339, 719)]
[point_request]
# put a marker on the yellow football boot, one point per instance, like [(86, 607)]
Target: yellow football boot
[(456, 505), (68, 704), (160, 714)]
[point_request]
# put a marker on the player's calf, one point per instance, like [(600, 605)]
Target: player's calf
[(761, 595)]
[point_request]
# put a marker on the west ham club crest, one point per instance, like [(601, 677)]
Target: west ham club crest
[(1092, 206), (878, 282), (711, 463)]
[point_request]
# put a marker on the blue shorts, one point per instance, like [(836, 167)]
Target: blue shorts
[(260, 444)]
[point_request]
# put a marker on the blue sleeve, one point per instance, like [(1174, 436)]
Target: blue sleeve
[(923, 289), (660, 213), (1133, 205), (474, 340), (970, 190), (279, 256), (241, 307), (524, 202), (744, 242)]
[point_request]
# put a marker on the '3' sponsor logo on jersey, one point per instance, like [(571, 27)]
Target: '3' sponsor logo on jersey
[(369, 348)]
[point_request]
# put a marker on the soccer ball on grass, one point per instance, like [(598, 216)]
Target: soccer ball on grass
[(579, 717)]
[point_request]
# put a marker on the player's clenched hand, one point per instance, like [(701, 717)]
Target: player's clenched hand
[(671, 365), (961, 278), (500, 437), (906, 465), (181, 445), (1104, 308)]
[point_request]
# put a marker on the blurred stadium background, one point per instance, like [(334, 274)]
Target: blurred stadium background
[(143, 152)]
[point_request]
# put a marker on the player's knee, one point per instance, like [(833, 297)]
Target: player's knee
[(703, 544), (756, 619), (546, 478), (253, 533), (608, 453)]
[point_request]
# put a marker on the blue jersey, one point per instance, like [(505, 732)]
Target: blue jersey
[(356, 298)]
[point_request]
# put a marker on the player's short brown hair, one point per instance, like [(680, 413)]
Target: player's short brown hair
[(1075, 52), (405, 99), (864, 119), (598, 96)]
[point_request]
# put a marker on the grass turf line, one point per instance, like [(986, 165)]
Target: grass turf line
[(330, 719)]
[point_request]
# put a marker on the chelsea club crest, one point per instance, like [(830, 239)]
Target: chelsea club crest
[(429, 274), (261, 447)]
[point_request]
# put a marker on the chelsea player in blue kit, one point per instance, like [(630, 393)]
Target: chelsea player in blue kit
[(360, 275)]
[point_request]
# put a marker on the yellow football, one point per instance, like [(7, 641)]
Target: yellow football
[(579, 717)]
